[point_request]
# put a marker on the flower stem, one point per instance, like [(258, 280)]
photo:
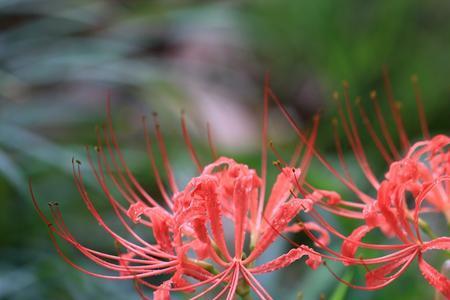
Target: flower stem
[(205, 265), (243, 290), (428, 231), (426, 228)]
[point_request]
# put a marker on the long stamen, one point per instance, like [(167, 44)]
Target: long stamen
[(257, 287), (306, 160), (151, 157), (102, 163), (384, 129), (211, 145), (419, 104), (82, 190), (357, 144), (114, 168), (330, 228), (187, 140), (117, 208), (361, 195), (395, 110), (233, 283), (262, 191), (375, 287), (372, 133), (79, 268), (111, 138), (339, 151), (213, 286), (163, 151), (94, 255), (297, 153), (277, 153)]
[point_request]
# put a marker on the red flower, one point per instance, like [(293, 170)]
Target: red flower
[(423, 173), (190, 246)]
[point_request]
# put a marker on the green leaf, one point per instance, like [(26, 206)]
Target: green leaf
[(12, 173)]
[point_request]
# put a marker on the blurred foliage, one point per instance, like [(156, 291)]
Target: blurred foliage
[(60, 60)]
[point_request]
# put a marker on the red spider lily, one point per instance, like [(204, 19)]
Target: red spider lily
[(423, 172), (189, 248)]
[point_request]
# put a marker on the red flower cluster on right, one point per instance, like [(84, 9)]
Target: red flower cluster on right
[(415, 186)]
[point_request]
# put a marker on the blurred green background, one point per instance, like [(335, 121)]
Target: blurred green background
[(60, 59)]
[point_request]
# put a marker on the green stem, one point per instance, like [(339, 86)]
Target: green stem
[(427, 229), (247, 297), (207, 266), (243, 290)]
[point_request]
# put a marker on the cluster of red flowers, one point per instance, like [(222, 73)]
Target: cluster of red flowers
[(415, 184), (190, 252)]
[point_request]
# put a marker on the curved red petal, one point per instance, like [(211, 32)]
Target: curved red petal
[(278, 223), (436, 279), (350, 245), (314, 260)]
